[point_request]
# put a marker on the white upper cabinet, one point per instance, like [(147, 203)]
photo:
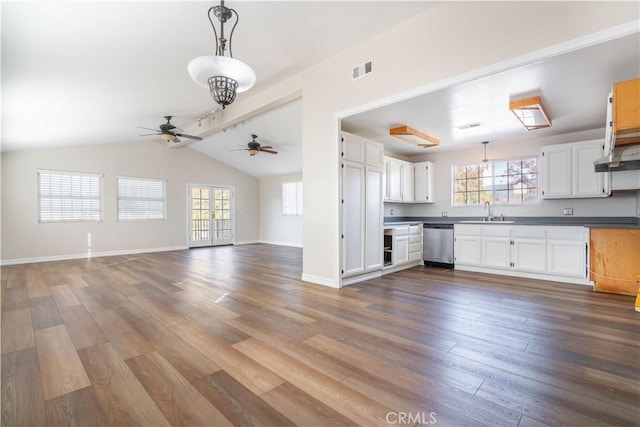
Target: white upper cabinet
[(407, 182), (567, 171), (423, 183), (393, 169)]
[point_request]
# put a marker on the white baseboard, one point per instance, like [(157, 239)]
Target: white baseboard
[(319, 280), (361, 278), (272, 242), (16, 261), (246, 242)]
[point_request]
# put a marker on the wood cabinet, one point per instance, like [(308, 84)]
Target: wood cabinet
[(361, 205), (423, 183), (543, 252), (615, 260), (626, 112), (567, 171)]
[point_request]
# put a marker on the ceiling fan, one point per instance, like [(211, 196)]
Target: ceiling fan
[(168, 132), (253, 147)]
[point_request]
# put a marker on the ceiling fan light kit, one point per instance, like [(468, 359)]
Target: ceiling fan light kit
[(531, 113), (223, 75), (413, 136)]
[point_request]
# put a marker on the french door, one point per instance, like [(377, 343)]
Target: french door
[(211, 216)]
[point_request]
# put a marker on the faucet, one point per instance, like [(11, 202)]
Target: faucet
[(489, 217)]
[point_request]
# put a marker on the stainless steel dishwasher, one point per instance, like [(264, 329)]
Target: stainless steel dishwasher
[(437, 245)]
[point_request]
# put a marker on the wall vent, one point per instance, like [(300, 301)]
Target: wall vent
[(362, 70)]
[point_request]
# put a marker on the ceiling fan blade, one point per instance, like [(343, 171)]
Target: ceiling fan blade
[(149, 134), (240, 149), (269, 151), (266, 146), (155, 130), (175, 139), (189, 136)]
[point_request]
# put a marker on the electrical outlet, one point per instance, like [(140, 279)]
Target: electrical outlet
[(391, 212), (567, 211), (445, 213)]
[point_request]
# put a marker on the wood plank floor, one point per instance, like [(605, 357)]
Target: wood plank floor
[(231, 336)]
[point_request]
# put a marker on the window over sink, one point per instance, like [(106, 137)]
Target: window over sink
[(506, 182)]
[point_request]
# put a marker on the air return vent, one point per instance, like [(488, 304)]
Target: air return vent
[(469, 125), (362, 70)]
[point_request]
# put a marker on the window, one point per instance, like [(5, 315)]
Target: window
[(292, 198), (512, 182), (141, 199), (69, 196)]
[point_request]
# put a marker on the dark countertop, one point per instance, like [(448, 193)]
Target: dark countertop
[(591, 222)]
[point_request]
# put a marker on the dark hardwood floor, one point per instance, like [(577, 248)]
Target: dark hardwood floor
[(231, 336)]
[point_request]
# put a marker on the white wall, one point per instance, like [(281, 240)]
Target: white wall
[(621, 204), (437, 47), (276, 228), (23, 238)]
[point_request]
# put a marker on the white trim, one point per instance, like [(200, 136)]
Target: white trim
[(324, 281), (247, 242), (396, 268), (539, 276), (361, 278), (16, 261), (271, 242)]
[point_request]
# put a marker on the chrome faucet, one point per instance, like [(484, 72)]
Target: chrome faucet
[(489, 217)]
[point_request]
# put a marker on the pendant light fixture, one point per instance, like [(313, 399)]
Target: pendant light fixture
[(222, 74), (485, 151)]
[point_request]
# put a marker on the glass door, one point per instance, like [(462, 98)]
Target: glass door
[(211, 216)]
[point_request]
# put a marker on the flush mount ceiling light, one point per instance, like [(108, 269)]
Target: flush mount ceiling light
[(223, 75), (415, 137), (531, 113)]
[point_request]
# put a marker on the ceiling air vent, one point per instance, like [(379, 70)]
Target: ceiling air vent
[(469, 125), (362, 70)]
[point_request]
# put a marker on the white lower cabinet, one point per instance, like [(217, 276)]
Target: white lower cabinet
[(402, 246), (545, 252)]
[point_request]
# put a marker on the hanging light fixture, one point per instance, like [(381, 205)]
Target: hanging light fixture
[(223, 75), (485, 151)]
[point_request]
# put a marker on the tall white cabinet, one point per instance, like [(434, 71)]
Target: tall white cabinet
[(361, 203)]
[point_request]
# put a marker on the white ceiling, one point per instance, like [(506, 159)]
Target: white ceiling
[(574, 88), (78, 73)]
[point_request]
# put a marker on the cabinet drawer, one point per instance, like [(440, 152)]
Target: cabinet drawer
[(415, 256), (467, 230), (529, 232), (402, 230), (415, 238), (496, 230), (415, 229), (567, 233), (415, 247)]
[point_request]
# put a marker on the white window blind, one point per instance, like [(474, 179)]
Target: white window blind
[(141, 199), (292, 198), (69, 196)]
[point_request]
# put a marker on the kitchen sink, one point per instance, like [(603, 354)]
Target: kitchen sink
[(486, 222)]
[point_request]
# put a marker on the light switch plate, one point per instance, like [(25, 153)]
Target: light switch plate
[(445, 213)]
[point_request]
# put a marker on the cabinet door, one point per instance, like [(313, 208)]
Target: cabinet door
[(468, 250), (585, 181), (496, 251), (529, 255), (373, 219), (385, 179), (423, 186), (394, 180), (626, 108), (400, 249), (374, 154), (353, 148), (353, 228), (556, 171), (567, 258), (407, 182)]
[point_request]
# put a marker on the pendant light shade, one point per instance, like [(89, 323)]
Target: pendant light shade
[(223, 75)]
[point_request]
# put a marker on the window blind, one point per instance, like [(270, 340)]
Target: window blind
[(292, 198), (141, 199), (69, 196)]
